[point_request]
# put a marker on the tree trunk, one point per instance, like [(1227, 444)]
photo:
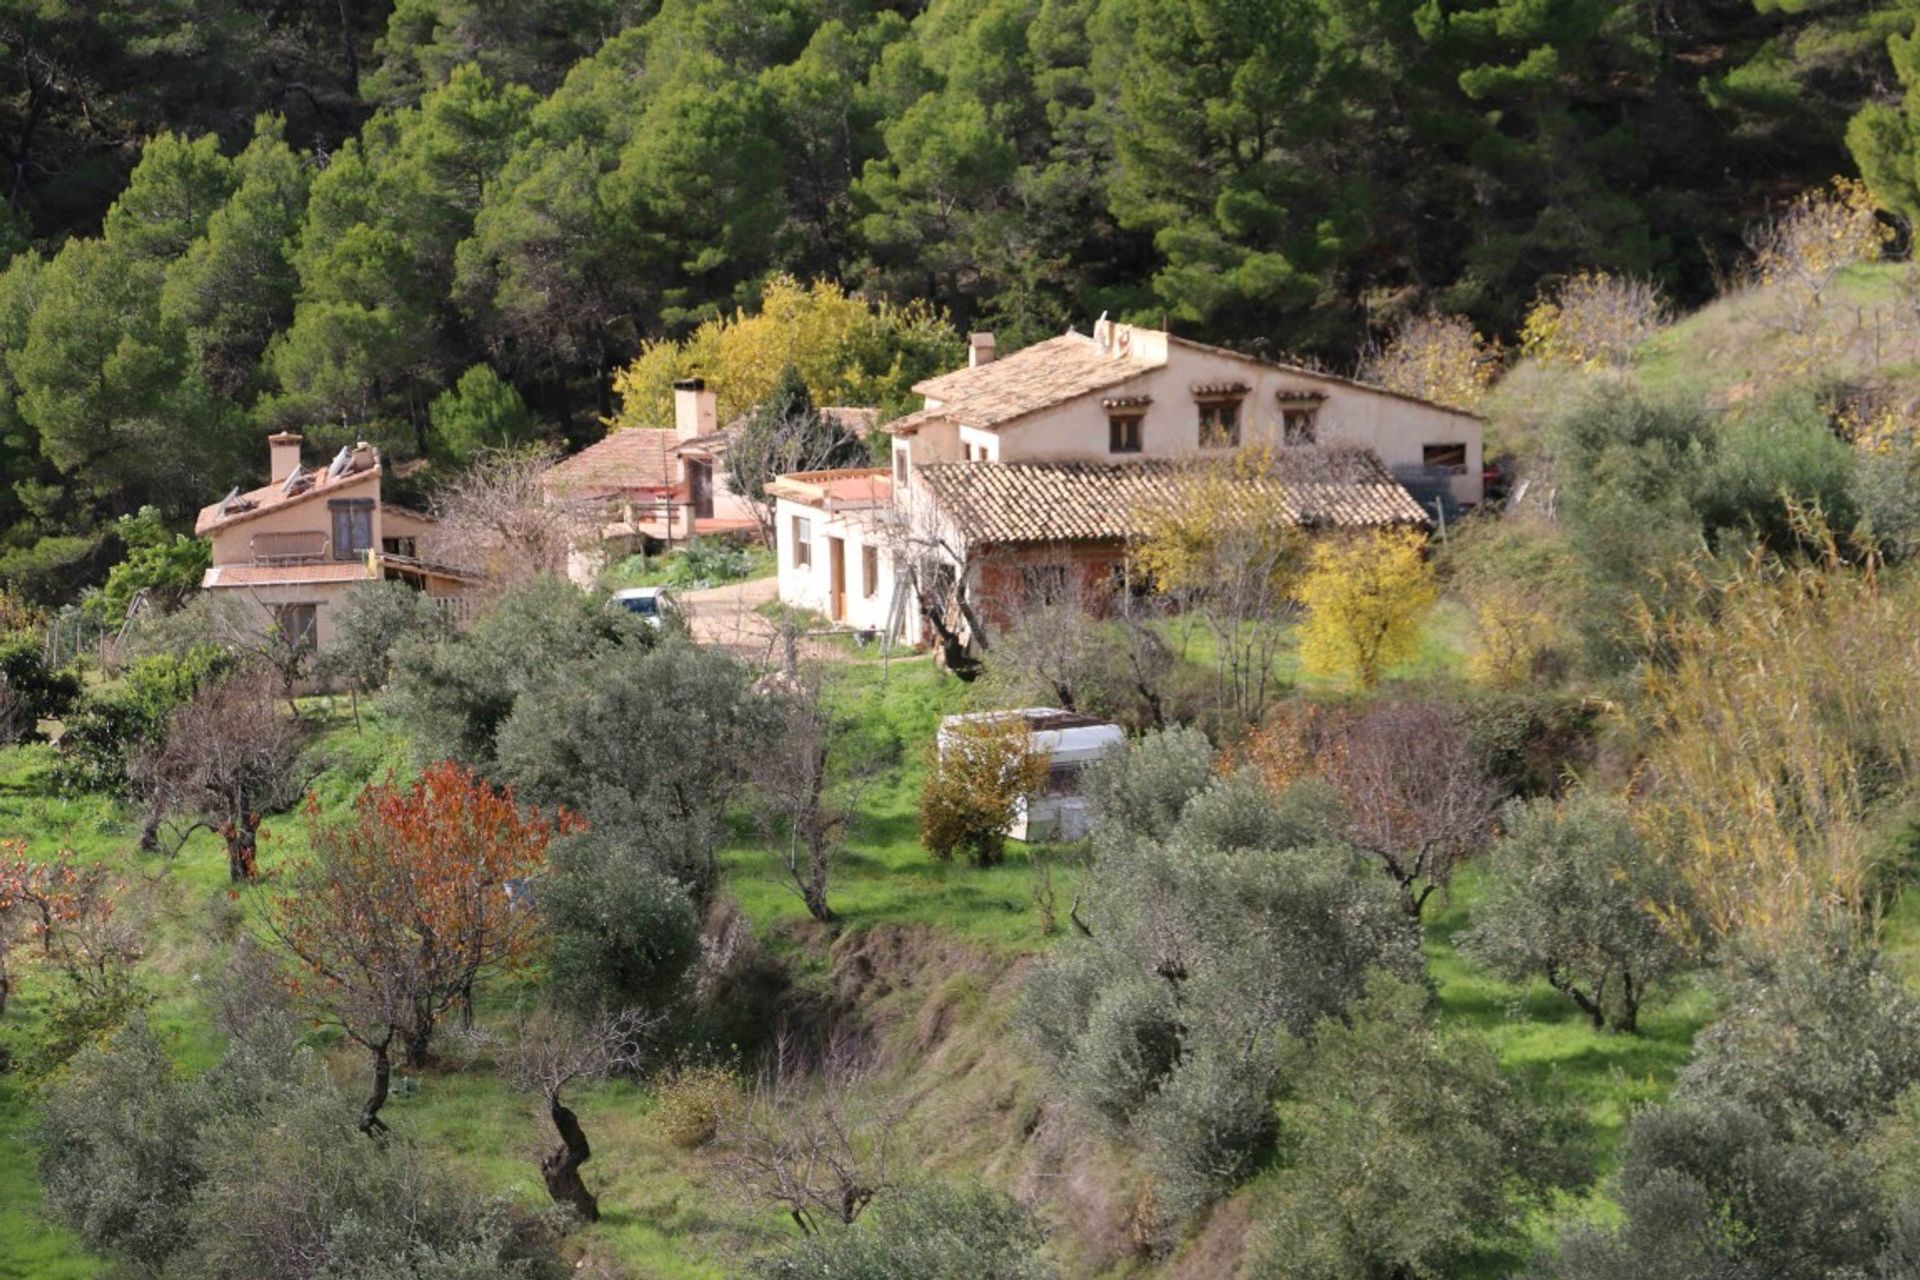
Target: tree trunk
[(561, 1168), (1627, 1017), (370, 1122), (6, 989), (242, 847), (1593, 1006), (417, 1043), (814, 894), (352, 55)]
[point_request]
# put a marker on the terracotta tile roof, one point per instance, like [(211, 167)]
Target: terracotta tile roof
[(273, 497), (998, 502), (630, 458), (264, 575), (839, 487), (1033, 378), (855, 420)]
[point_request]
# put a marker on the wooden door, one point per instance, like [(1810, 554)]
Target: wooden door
[(837, 579)]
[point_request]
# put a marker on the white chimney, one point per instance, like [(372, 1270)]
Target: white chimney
[(979, 349), (696, 410), (283, 455)]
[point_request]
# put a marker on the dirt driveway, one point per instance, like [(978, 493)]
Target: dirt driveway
[(729, 616)]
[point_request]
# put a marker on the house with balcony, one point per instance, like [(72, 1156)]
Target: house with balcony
[(291, 549), (1021, 470)]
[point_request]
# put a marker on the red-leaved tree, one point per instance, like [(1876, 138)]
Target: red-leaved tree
[(405, 907), (35, 899)]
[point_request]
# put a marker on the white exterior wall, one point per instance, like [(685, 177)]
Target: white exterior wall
[(810, 586), (1394, 428)]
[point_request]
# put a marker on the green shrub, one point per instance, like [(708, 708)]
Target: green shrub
[(1819, 1038), (706, 562), (1782, 453), (1145, 789), (34, 691), (109, 727), (929, 1234), (1711, 1189), (455, 695), (622, 931), (255, 1168)]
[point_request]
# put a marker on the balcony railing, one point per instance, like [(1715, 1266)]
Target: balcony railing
[(303, 547)]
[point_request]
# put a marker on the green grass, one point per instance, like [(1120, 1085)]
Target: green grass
[(1445, 642), (886, 875), (665, 1217), (1730, 348)]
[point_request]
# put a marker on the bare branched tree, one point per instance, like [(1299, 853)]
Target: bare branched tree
[(784, 435), (1046, 641), (1419, 798), (551, 1052), (933, 562), (495, 518), (228, 757), (806, 1142), (15, 714), (801, 809)]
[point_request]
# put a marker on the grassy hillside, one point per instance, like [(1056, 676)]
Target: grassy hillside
[(928, 965)]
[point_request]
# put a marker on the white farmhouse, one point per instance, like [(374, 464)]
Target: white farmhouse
[(1052, 452)]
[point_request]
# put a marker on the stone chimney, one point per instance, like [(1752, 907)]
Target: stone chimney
[(979, 349), (283, 455), (364, 456), (696, 410)]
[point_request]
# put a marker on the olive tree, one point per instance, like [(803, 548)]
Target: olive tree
[(647, 739), (1820, 1038), (1246, 918), (1405, 1150), (1715, 1189), (552, 1052), (1566, 897)]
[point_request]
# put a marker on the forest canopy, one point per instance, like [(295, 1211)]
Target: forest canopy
[(224, 218)]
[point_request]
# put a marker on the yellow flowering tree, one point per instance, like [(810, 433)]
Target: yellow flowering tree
[(1593, 320), (1435, 357), (848, 351), (1227, 551), (1366, 598)]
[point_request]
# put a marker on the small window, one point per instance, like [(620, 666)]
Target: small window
[(298, 626), (1299, 426), (1450, 458), (352, 527), (1219, 424), (1044, 583), (1123, 433), (399, 547), (869, 572), (899, 466), (802, 542)]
